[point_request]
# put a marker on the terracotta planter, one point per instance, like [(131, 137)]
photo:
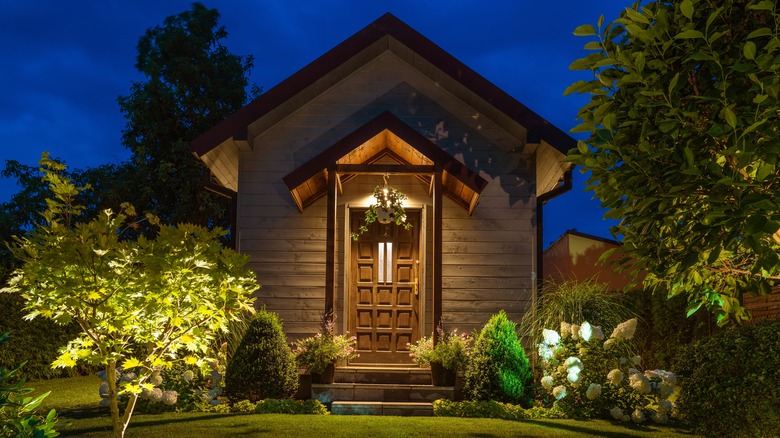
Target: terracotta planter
[(326, 377), (441, 376)]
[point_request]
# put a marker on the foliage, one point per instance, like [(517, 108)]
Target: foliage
[(736, 372), (498, 369), (452, 350), (36, 342), (663, 333), (297, 407), (683, 144), (572, 300), (192, 83), (492, 409), (389, 203), (315, 353), (587, 377), (263, 365), (17, 412), (138, 302)]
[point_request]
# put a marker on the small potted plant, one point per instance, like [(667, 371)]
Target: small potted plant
[(388, 207), (446, 358), (318, 354)]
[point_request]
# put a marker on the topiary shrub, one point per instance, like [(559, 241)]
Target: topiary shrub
[(730, 382), (263, 365), (499, 369)]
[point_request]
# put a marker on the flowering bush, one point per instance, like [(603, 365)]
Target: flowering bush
[(315, 353), (588, 377), (452, 351)]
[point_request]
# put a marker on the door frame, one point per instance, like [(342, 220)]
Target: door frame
[(424, 294)]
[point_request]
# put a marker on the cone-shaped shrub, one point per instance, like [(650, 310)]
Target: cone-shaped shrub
[(499, 369), (263, 365)]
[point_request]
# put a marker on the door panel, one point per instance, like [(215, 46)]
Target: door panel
[(384, 304)]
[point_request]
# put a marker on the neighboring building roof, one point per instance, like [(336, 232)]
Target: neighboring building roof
[(386, 33)]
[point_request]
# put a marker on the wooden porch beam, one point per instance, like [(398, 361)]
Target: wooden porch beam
[(437, 252), (330, 246)]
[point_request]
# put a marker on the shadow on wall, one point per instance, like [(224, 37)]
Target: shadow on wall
[(467, 144)]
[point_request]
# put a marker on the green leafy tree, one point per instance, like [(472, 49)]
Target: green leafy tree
[(683, 147), (140, 303), (192, 83)]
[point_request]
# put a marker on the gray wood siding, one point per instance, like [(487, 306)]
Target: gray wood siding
[(487, 257)]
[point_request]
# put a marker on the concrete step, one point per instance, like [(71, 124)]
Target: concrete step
[(404, 409), (383, 375), (327, 393)]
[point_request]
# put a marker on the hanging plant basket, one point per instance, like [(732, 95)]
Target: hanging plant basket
[(387, 208)]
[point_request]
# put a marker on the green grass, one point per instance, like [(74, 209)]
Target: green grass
[(76, 399)]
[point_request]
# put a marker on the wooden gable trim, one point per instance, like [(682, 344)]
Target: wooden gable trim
[(389, 122), (387, 25)]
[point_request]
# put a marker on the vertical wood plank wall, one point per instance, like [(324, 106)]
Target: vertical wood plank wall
[(487, 258)]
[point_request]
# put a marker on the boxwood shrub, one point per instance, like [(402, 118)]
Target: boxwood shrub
[(731, 382), (263, 365)]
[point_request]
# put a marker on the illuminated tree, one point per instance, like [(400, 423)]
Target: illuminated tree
[(141, 304), (684, 122)]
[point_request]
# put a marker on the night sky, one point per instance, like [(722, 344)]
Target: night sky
[(65, 64)]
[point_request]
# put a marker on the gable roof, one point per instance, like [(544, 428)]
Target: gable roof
[(383, 34), (385, 135)]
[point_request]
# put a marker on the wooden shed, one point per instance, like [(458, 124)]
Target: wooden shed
[(301, 162)]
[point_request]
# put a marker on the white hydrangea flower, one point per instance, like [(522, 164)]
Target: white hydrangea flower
[(638, 416), (559, 392), (574, 375), (636, 360), (545, 352), (616, 413), (169, 397), (623, 360), (615, 377), (155, 395), (188, 376), (626, 418), (551, 337), (548, 382), (609, 343), (664, 406), (593, 392), (585, 332), (573, 361), (639, 382), (575, 332), (565, 329), (625, 330), (155, 379)]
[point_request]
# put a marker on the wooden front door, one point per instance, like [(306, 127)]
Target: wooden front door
[(384, 304)]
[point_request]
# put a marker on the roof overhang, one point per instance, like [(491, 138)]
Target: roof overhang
[(383, 137)]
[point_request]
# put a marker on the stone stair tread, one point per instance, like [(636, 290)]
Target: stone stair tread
[(389, 408)]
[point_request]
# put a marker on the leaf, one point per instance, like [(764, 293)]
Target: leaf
[(692, 308), (764, 31), (673, 83), (730, 117), (686, 7), (131, 363), (689, 157), (585, 30), (755, 224), (689, 34), (636, 16), (640, 61), (749, 50), (765, 5)]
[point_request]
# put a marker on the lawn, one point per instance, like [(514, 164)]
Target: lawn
[(76, 400)]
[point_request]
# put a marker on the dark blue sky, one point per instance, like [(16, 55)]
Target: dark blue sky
[(65, 63)]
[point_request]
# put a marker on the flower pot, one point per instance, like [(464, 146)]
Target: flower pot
[(304, 386), (383, 215), (441, 376), (327, 376)]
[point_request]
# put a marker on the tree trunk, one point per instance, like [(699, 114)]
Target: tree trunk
[(113, 402)]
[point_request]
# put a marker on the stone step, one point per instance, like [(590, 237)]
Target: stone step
[(327, 393), (383, 375), (404, 409)]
